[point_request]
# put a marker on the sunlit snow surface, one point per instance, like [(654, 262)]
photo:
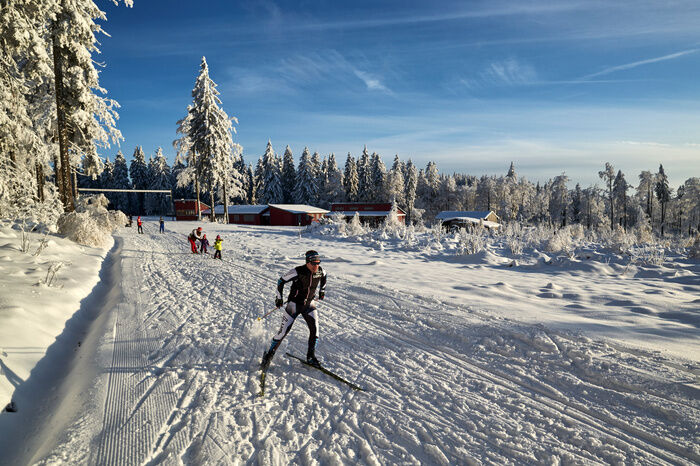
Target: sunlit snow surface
[(464, 359)]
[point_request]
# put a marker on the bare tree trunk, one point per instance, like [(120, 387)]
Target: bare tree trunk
[(196, 188), (225, 199), (212, 215), (40, 182), (66, 190)]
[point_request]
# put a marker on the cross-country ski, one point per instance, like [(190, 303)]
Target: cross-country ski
[(326, 371)]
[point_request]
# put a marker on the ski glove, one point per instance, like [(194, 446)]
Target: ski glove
[(321, 295), (279, 302)]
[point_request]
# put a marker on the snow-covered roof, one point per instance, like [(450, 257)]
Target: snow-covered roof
[(300, 208), (472, 220), (452, 214), (237, 209), (246, 209), (366, 213)]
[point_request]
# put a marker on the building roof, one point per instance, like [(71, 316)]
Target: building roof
[(247, 209), (452, 214), (300, 208), (366, 213)]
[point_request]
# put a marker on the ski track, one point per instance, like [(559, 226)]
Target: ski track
[(444, 384)]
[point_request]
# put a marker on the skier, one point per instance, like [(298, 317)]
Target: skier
[(204, 244), (305, 279), (138, 223), (194, 236), (162, 225), (217, 247)]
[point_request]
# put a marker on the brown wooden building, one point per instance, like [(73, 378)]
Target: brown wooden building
[(186, 209)]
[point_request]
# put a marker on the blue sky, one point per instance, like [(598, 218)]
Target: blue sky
[(555, 87)]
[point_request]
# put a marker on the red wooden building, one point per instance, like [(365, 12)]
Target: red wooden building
[(249, 214), (294, 214), (370, 213), (186, 209)]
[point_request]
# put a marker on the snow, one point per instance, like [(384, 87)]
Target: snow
[(144, 353), (299, 208)]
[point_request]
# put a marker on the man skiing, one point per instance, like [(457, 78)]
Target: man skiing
[(305, 279), (196, 234)]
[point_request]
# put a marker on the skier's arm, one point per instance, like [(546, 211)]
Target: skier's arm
[(322, 286), (284, 279)]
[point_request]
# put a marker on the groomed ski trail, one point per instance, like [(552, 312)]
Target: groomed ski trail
[(444, 384)]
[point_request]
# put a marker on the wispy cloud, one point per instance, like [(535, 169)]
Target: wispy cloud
[(509, 72), (629, 66), (301, 71)]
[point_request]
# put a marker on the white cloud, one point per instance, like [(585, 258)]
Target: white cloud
[(629, 66)]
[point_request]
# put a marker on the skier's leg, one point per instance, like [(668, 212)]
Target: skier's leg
[(312, 321), (287, 320)]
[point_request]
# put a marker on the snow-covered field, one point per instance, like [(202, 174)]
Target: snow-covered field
[(464, 359)]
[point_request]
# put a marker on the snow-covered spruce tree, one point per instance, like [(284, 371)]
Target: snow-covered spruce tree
[(159, 203), (106, 180), (663, 194), (318, 177), (395, 184), (138, 171), (608, 175), (689, 205), (289, 176), (350, 179), (188, 178), (305, 189), (411, 182), (620, 188), (180, 192), (645, 193), (333, 183), (271, 190), (85, 119), (378, 179), (258, 180), (210, 131), (120, 180), (559, 201), (364, 177)]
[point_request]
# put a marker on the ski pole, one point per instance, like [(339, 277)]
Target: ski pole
[(261, 318)]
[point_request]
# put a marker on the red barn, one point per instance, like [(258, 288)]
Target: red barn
[(294, 214), (370, 213), (186, 209), (249, 214)]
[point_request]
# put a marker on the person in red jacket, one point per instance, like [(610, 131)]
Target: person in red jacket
[(193, 237), (138, 222)]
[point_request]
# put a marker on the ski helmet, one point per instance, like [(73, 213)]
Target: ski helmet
[(199, 229)]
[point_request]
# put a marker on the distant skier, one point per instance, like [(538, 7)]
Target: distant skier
[(305, 279), (204, 244), (193, 237), (217, 247), (162, 225), (139, 224)]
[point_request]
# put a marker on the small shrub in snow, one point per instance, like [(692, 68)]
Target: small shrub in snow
[(392, 225), (470, 243), (355, 227), (648, 254), (54, 267), (694, 249), (620, 241), (560, 241)]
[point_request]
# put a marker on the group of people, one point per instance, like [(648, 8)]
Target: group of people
[(199, 235), (139, 224)]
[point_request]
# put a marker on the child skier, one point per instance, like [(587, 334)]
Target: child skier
[(217, 247), (204, 244)]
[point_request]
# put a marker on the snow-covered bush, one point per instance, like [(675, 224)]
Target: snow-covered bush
[(355, 228), (560, 241), (91, 224), (392, 225), (619, 241), (513, 235), (648, 254), (470, 243), (694, 249)]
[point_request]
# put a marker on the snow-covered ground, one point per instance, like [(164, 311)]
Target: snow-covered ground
[(464, 359)]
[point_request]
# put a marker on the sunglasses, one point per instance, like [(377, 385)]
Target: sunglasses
[(315, 263)]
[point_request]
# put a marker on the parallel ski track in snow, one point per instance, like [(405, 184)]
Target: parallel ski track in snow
[(546, 399), (183, 377)]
